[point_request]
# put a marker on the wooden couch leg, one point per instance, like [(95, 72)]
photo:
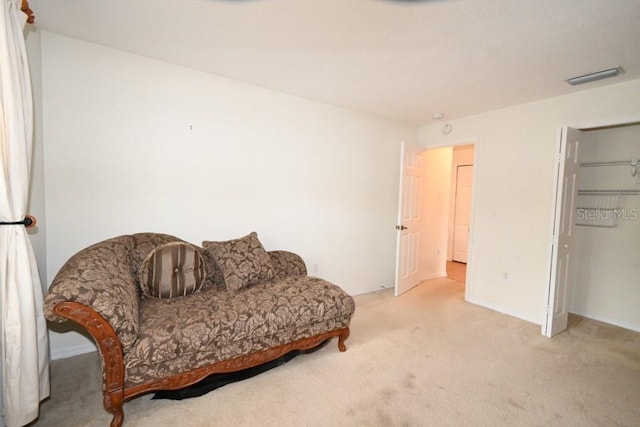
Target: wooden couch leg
[(118, 418), (113, 404), (342, 338)]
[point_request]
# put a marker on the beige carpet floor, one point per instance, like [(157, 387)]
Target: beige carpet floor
[(426, 358)]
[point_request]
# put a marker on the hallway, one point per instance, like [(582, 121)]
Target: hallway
[(457, 271)]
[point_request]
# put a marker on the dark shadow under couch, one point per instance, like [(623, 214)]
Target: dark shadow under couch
[(216, 381)]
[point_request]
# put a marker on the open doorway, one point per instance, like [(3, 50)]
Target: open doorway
[(460, 211), (435, 214)]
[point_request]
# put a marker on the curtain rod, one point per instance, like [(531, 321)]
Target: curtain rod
[(25, 8)]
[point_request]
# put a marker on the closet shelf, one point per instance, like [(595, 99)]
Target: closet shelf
[(608, 192), (609, 163)]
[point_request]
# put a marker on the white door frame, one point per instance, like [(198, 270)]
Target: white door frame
[(592, 124), (475, 141)]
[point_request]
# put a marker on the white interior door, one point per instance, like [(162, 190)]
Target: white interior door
[(562, 262), (462, 212), (409, 217)]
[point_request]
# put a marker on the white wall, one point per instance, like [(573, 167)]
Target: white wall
[(606, 285), (133, 144), (462, 155), (513, 193), (437, 189)]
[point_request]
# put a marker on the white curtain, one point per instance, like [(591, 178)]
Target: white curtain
[(25, 357)]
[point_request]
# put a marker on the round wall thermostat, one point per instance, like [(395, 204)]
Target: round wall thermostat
[(446, 129)]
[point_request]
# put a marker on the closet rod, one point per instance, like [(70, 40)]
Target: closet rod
[(611, 163), (608, 192)]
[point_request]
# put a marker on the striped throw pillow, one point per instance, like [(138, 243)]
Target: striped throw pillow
[(172, 270)]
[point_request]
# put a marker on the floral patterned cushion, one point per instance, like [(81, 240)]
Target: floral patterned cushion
[(180, 334), (100, 277), (171, 270), (287, 264), (242, 261), (104, 276)]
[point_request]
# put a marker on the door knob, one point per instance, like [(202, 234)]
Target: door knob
[(400, 227)]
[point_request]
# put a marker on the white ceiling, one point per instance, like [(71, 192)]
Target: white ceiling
[(403, 60)]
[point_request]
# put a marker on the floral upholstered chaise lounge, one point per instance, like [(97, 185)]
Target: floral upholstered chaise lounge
[(165, 314)]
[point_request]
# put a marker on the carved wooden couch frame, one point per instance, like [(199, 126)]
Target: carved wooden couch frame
[(115, 393), (115, 389)]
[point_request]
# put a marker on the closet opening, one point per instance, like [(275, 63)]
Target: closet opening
[(605, 286), (597, 233)]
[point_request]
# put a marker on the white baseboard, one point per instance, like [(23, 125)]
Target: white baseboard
[(366, 291), (63, 353), (499, 309), (392, 285), (605, 319), (435, 276)]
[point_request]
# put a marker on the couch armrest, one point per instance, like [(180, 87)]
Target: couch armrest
[(287, 264), (100, 278), (110, 354)]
